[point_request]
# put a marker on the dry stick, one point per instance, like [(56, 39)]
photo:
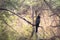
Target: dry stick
[(17, 15)]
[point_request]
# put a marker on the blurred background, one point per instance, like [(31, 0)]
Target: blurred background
[(17, 19)]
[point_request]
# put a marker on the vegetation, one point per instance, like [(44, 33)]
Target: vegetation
[(18, 17)]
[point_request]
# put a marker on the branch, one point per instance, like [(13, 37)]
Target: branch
[(17, 15), (55, 26), (9, 26), (54, 13)]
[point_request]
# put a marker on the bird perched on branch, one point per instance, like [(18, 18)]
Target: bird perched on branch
[(37, 23)]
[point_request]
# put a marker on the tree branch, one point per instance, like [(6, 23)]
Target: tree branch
[(9, 26), (17, 15), (50, 7)]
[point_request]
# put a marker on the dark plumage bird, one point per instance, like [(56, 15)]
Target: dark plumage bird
[(37, 23)]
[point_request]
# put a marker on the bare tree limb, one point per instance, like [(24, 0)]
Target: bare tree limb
[(17, 15), (50, 7)]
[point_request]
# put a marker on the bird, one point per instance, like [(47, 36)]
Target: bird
[(37, 23)]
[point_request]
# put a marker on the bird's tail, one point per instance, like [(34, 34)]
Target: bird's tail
[(36, 29)]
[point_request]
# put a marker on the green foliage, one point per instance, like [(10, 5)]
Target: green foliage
[(30, 2)]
